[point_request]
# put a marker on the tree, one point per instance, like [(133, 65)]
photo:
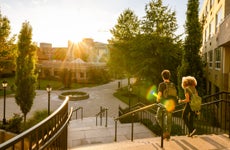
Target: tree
[(150, 47), (25, 70), (159, 19), (192, 62), (161, 47), (7, 46), (152, 54), (127, 27)]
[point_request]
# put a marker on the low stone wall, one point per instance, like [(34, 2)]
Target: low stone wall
[(74, 95)]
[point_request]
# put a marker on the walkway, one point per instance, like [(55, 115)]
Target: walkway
[(99, 96)]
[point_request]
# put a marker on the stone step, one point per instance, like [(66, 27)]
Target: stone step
[(85, 132), (201, 142)]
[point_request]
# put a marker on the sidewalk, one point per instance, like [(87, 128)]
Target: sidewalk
[(99, 96)]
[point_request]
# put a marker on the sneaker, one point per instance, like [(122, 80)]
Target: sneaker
[(192, 133)]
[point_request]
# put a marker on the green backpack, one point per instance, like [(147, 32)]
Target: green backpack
[(170, 91), (195, 101)]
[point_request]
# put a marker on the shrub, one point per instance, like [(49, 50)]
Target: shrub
[(14, 124), (36, 118)]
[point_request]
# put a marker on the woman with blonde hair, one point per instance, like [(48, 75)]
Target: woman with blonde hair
[(188, 84)]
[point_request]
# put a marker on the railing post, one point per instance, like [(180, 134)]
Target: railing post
[(100, 115), (115, 139), (106, 117), (132, 126), (162, 122), (81, 113), (96, 120)]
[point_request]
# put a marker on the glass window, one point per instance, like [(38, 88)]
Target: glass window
[(217, 58), (210, 58), (211, 28), (206, 35), (219, 18), (205, 59)]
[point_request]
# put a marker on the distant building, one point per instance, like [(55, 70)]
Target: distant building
[(216, 44), (45, 52), (77, 59)]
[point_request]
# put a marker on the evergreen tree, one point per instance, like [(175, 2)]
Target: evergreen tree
[(25, 70), (7, 46), (192, 62)]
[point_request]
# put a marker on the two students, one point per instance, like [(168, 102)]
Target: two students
[(188, 84)]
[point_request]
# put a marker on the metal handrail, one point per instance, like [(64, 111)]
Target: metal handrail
[(214, 115), (138, 110), (101, 113), (209, 102), (76, 110), (39, 135), (132, 113), (55, 136), (216, 94)]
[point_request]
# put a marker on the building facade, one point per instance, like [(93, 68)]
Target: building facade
[(52, 62), (215, 15)]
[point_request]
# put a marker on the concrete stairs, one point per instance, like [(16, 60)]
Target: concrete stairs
[(85, 135), (85, 132)]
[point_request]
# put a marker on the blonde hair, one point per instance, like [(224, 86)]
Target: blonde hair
[(188, 81)]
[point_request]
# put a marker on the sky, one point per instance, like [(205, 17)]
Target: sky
[(57, 21)]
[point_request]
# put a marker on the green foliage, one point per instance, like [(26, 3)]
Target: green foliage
[(176, 130), (155, 128), (128, 119), (37, 117), (26, 78), (98, 76), (7, 47), (138, 94), (146, 50), (192, 64), (127, 26), (15, 124), (159, 19)]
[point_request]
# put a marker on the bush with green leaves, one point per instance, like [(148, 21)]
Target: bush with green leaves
[(36, 118), (14, 124)]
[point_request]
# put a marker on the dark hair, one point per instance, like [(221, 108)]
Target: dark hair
[(165, 74)]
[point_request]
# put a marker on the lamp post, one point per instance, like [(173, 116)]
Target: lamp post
[(48, 89), (130, 90), (4, 85), (39, 72)]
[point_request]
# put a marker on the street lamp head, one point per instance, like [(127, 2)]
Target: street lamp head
[(48, 88), (4, 84)]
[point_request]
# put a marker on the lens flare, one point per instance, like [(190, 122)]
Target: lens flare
[(169, 105), (151, 93)]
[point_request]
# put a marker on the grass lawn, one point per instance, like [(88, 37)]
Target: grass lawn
[(56, 85)]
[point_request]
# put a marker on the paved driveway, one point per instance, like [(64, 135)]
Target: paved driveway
[(99, 96)]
